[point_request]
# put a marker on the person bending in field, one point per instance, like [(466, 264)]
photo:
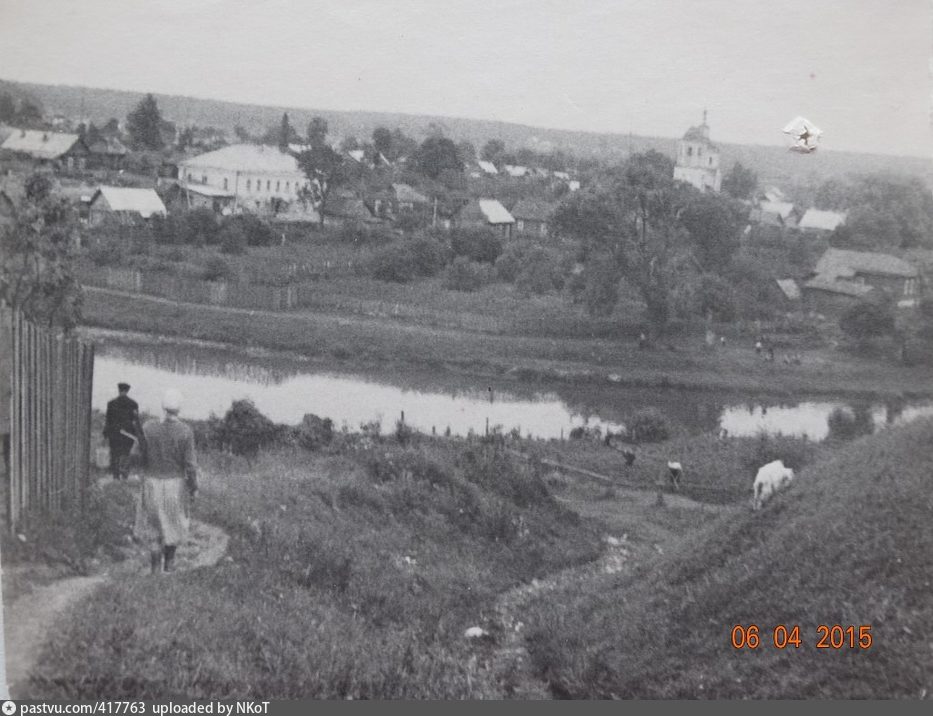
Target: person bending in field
[(170, 482)]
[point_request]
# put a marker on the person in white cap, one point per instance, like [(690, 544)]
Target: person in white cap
[(170, 481)]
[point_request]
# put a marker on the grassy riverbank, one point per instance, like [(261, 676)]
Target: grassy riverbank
[(354, 342), (349, 575), (848, 544)]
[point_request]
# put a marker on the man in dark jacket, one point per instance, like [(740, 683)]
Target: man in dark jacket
[(122, 429)]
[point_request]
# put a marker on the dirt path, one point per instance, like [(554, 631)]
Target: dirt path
[(34, 616), (502, 649)]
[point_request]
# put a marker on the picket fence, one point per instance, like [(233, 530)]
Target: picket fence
[(51, 377)]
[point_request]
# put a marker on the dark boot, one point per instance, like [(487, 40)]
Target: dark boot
[(169, 558), (155, 561)]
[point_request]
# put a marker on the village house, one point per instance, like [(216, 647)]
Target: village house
[(892, 275), (262, 179), (532, 217), (515, 171), (833, 296), (181, 196), (779, 214), (54, 149), (698, 159), (124, 206), (341, 210), (106, 153), (486, 212), (487, 168), (820, 222)]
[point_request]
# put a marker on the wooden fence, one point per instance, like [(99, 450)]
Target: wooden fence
[(50, 418), (190, 290)]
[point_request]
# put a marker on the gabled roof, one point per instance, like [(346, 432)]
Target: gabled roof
[(40, 144), (255, 158), (144, 202), (110, 146), (514, 170), (562, 175), (487, 167), (357, 155), (782, 208), (789, 288), (821, 220), (839, 263), (845, 288), (343, 207), (488, 210), (532, 210), (403, 192)]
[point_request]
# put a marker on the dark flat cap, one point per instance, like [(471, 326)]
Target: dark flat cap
[(123, 386)]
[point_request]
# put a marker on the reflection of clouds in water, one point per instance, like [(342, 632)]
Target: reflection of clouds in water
[(803, 419), (343, 399)]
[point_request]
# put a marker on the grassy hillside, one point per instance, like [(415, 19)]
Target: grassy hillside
[(851, 543), (352, 574), (773, 163)]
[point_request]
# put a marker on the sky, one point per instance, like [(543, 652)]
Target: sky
[(859, 69)]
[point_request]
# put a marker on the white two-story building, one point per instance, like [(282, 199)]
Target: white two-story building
[(698, 159), (259, 178)]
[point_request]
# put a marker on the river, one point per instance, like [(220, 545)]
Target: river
[(285, 389)]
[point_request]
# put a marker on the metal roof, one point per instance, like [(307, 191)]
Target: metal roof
[(789, 287), (205, 190), (532, 209), (494, 212), (246, 158), (822, 220), (144, 202), (39, 144), (403, 192), (840, 263), (487, 167)]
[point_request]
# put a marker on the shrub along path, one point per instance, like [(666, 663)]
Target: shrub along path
[(36, 617)]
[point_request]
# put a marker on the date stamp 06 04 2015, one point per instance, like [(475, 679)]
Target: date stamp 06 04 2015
[(783, 636)]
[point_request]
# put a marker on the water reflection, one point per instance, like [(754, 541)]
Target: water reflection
[(285, 389)]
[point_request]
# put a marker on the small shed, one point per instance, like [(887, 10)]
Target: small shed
[(532, 216), (487, 212), (124, 205)]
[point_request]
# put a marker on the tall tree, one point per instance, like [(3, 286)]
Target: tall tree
[(285, 133), (714, 225), (144, 125), (631, 220), (322, 165), (382, 142), (7, 107), (29, 114), (493, 150), (436, 155), (36, 261), (740, 182), (317, 132)]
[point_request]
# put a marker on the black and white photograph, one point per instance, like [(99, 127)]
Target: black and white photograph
[(465, 350)]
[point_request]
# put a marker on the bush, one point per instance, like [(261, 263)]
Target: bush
[(244, 430), (481, 245), (850, 423), (510, 263), (466, 275), (716, 297), (540, 274), (430, 256), (232, 239), (216, 269), (865, 321), (649, 426), (396, 263), (256, 231), (313, 432), (199, 227), (601, 286), (411, 221), (107, 252)]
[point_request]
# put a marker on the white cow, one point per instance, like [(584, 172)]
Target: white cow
[(770, 478)]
